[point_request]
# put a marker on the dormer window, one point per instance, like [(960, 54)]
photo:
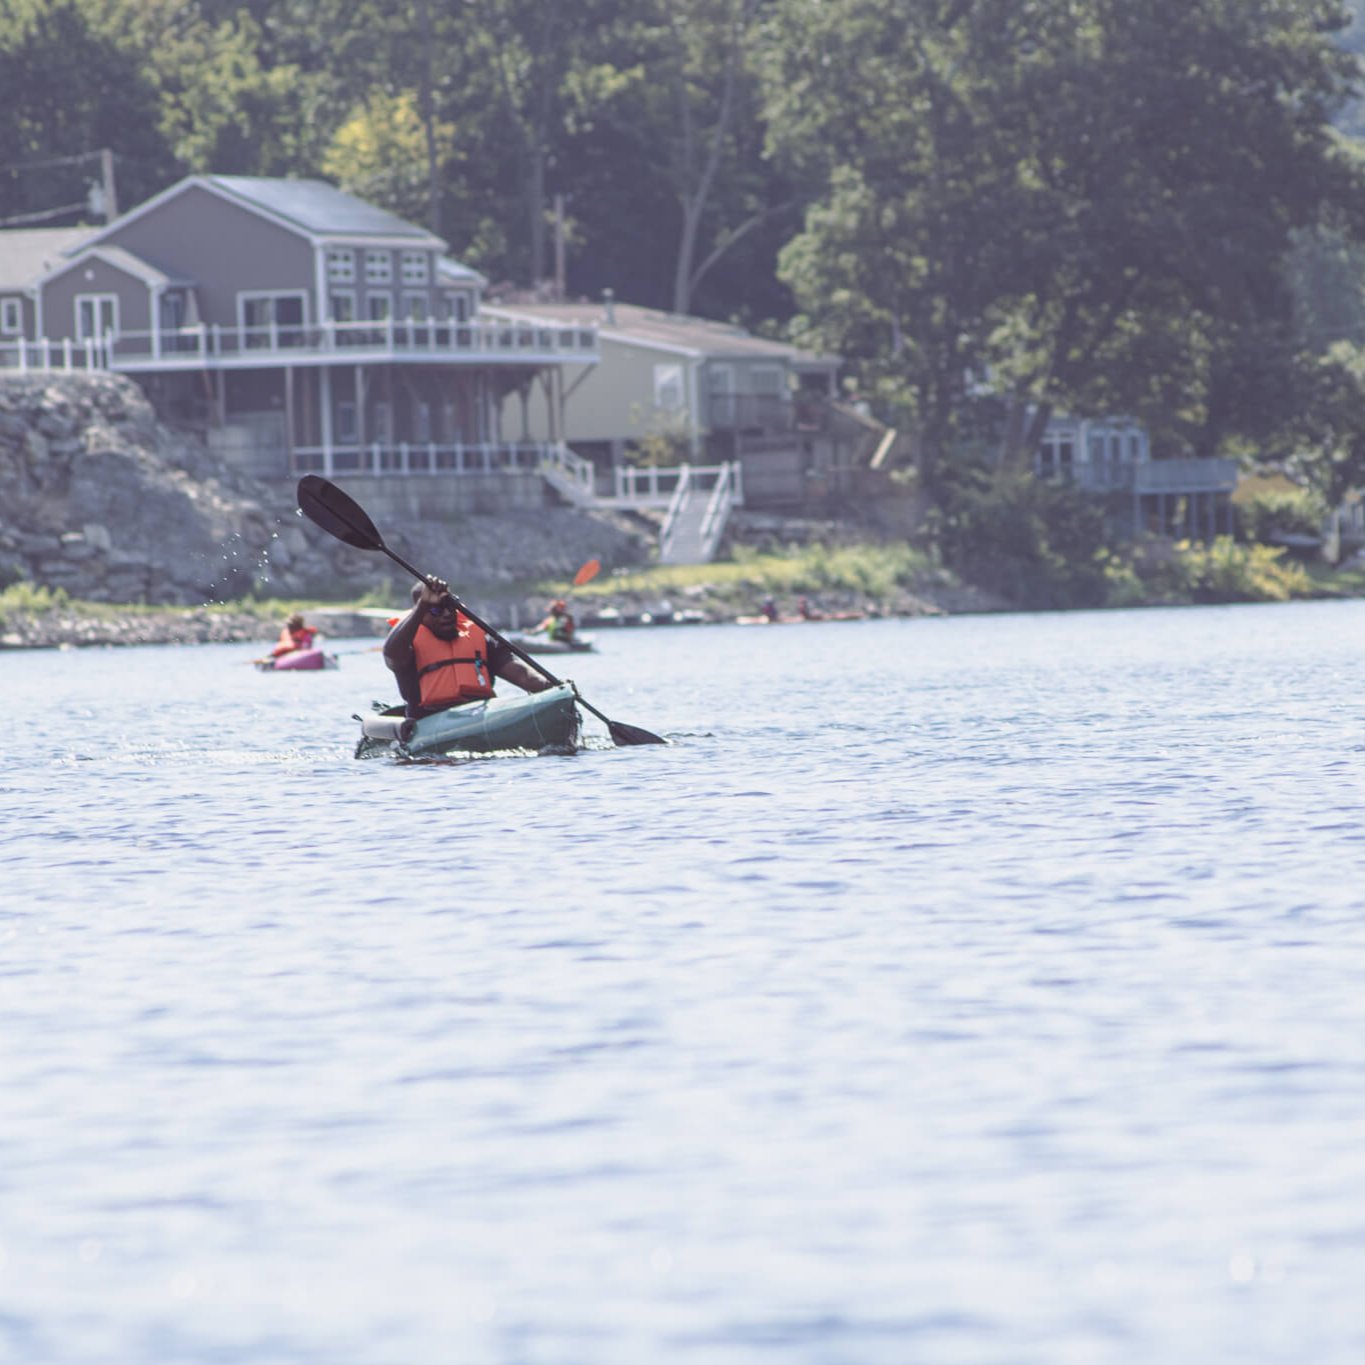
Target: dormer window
[(378, 267), (340, 265)]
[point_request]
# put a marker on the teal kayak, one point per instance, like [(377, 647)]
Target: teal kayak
[(526, 720)]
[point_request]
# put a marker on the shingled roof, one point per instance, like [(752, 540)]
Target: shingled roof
[(27, 254)]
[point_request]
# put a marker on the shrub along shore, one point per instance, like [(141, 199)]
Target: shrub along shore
[(850, 581), (873, 581)]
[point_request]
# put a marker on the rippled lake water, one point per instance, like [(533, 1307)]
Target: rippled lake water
[(955, 990)]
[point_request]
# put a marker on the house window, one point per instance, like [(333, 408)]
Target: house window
[(346, 427), (383, 422), (378, 267), (415, 307), (11, 316), (768, 380), (341, 306), (1055, 457), (172, 311), (668, 387), (454, 306), (416, 267), (271, 319), (379, 307), (96, 315), (421, 422), (340, 265), (721, 383)]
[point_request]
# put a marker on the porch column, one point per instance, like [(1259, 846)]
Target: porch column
[(325, 399), (360, 413), (289, 417)]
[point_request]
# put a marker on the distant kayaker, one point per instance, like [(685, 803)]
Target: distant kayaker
[(559, 624), (769, 609), (294, 635), (440, 658)]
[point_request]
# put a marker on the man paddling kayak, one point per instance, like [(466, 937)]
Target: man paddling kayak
[(440, 658)]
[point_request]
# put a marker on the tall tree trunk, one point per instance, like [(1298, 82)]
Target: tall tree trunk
[(427, 113), (535, 191), (694, 193), (1016, 420)]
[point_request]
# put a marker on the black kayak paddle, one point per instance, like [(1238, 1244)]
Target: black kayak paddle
[(322, 502)]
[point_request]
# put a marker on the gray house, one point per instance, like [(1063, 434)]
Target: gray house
[(306, 330), (1113, 456)]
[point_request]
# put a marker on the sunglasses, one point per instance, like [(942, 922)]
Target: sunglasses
[(441, 609)]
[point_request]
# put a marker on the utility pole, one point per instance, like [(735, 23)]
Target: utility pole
[(107, 172), (559, 248)]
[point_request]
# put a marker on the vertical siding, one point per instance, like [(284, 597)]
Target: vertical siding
[(93, 277), (614, 402), (224, 248)]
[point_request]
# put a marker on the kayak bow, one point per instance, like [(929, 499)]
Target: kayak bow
[(536, 721)]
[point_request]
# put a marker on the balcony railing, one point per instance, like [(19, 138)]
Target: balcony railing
[(750, 411), (415, 459), (1175, 476), (479, 341)]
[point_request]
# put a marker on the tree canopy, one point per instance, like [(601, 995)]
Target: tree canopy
[(1142, 206), (1091, 202)]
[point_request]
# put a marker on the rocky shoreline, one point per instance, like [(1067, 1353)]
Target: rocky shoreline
[(99, 625), (116, 530), (82, 626)]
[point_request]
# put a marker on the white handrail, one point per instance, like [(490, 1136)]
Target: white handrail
[(718, 509), (681, 493)]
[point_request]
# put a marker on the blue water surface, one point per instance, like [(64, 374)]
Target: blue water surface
[(973, 990)]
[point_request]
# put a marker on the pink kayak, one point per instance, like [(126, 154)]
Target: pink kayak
[(297, 659)]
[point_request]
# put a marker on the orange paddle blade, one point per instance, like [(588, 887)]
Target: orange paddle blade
[(587, 572)]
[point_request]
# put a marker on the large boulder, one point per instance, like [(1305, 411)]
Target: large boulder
[(99, 498)]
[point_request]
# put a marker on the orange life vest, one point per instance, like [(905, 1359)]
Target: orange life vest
[(291, 640), (451, 671)]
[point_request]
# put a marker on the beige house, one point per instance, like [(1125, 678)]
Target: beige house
[(683, 388)]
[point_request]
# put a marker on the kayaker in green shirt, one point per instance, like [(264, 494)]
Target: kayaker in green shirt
[(559, 624), (428, 690)]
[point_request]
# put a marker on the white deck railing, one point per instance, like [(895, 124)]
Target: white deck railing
[(217, 347), (571, 474), (411, 459)]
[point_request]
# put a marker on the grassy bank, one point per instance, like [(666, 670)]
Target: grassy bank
[(871, 579)]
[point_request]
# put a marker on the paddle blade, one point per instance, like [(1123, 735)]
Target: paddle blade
[(338, 514), (623, 734), (587, 573)]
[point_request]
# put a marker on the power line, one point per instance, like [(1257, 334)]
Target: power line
[(103, 197), (51, 161), (43, 216)]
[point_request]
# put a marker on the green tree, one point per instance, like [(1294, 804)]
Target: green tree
[(222, 107), (71, 90), (1089, 202)]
